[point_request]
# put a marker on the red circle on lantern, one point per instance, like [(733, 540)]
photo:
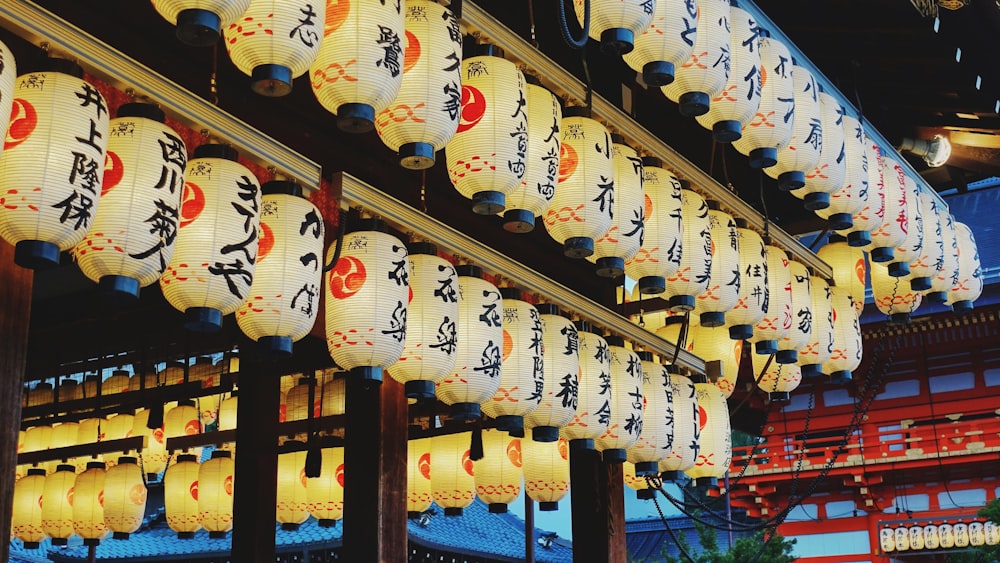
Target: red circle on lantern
[(192, 427), (193, 489), (563, 449), (69, 495), (514, 452), (424, 464), (336, 14), (647, 207), (100, 497), (114, 170), (473, 108), (859, 269), (347, 277), (467, 463), (569, 160), (508, 344), (158, 434), (192, 203), (302, 477), (266, 242), (340, 474), (228, 485), (411, 54), (702, 418), (23, 120), (137, 494)]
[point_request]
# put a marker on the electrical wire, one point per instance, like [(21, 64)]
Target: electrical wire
[(573, 42), (680, 546)]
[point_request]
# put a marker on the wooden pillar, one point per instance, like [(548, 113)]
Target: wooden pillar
[(375, 434), (15, 314), (598, 506)]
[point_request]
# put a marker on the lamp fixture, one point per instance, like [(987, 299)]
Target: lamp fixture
[(935, 152)]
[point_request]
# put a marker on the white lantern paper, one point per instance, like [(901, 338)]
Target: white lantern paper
[(802, 315), (582, 208), (715, 447), (714, 344), (325, 494), (283, 302), (367, 292), (902, 539), (992, 533), (297, 405), (840, 175), (88, 509), (498, 473), (654, 441), (182, 420), (418, 476), (730, 111), (626, 420), (425, 113), (723, 290), (213, 263), (946, 533), (359, 68), (180, 496), (117, 427), (684, 448), (63, 434), (117, 383), (754, 291), (801, 155), (292, 507), (777, 322), (200, 22), (666, 43), (8, 76), (969, 286), (912, 246), (820, 345), (659, 255), (453, 483), (925, 266), (847, 344), (124, 498), (778, 380), (622, 240), (771, 127), (53, 164), (522, 369), (593, 406), (870, 217), (561, 359), (916, 537), (215, 494), (961, 531), (57, 504), (429, 352), (479, 352), (131, 239), (849, 266), (948, 274), (977, 536), (616, 23), (546, 470), (932, 540), (26, 520), (154, 455), (893, 296), (487, 156), (705, 74), (694, 274), (892, 232)]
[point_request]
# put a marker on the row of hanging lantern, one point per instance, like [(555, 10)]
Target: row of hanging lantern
[(916, 537)]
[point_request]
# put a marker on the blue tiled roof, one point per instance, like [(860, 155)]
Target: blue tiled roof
[(645, 539)]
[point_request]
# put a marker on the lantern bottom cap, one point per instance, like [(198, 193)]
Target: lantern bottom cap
[(712, 319), (217, 535), (899, 269), (617, 41), (548, 506), (289, 526), (936, 296), (766, 347), (203, 319), (841, 377), (488, 202), (779, 396), (355, 118), (614, 455), (91, 541), (727, 131), (658, 73), (652, 285), (581, 444), (509, 423), (899, 318), (763, 157), (681, 303), (367, 373), (811, 371), (882, 254), (185, 535), (466, 411), (740, 332), (120, 535), (610, 267), (645, 494), (791, 180), (706, 482), (32, 545), (453, 511), (922, 283), (545, 434), (419, 389), (118, 290), (275, 346), (498, 508), (787, 356), (326, 523), (647, 468), (818, 200), (270, 80), (840, 221), (36, 254), (859, 238), (416, 156), (670, 475), (693, 104), (59, 541), (963, 306), (578, 247), (518, 221), (198, 28)]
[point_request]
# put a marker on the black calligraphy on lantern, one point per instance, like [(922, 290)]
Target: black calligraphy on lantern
[(447, 336), (399, 272), (453, 102), (307, 293), (388, 40), (490, 361), (238, 269), (397, 323), (805, 320), (162, 225), (606, 196), (306, 30), (572, 340), (446, 288), (173, 153), (638, 222), (490, 316), (568, 391)]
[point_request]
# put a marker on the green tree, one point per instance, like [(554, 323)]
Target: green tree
[(745, 550), (984, 553)]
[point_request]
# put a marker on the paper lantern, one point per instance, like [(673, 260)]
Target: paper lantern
[(977, 537), (946, 533), (487, 156), (593, 407), (893, 296), (802, 315), (275, 41), (546, 470), (90, 431), (117, 427), (870, 217), (325, 494), (227, 412), (912, 245), (735, 106), (199, 23), (37, 438), (694, 273), (636, 482), (684, 448), (849, 266), (666, 43), (41, 394), (26, 520), (969, 286), (616, 23), (992, 533), (180, 496), (622, 240), (498, 473), (932, 539), (57, 504), (334, 395), (63, 435), (541, 166), (522, 369), (916, 537), (892, 232), (801, 155), (124, 498), (961, 531), (359, 68), (88, 504), (847, 344), (182, 420), (429, 352), (777, 380), (835, 186), (292, 503), (205, 371), (118, 382), (582, 208), (54, 155), (715, 448), (283, 302), (657, 418), (659, 254), (366, 297), (297, 402), (777, 321), (8, 76), (561, 360), (713, 344), (902, 539), (154, 455), (948, 274), (453, 484), (820, 346), (212, 268), (479, 352), (215, 494), (418, 476), (925, 265), (771, 127), (754, 291), (425, 112), (722, 293), (69, 390), (705, 74), (626, 419), (90, 385)]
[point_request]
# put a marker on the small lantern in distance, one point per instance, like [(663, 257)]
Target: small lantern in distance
[(705, 74), (199, 22), (616, 23), (666, 43)]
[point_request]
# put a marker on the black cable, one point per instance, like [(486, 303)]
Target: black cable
[(680, 547), (763, 205), (564, 26), (341, 230)]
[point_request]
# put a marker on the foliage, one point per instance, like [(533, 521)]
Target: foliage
[(985, 553), (777, 549)]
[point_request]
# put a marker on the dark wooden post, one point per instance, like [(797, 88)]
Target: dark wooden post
[(15, 315), (598, 508)]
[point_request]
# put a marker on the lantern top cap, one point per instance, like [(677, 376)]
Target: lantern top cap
[(58, 64), (469, 270), (367, 224), (713, 205), (669, 321), (619, 139), (286, 187), (127, 459), (741, 223), (221, 453), (834, 237), (142, 109), (578, 111), (66, 467), (186, 457), (421, 247), (614, 340), (548, 309), (510, 293), (652, 161), (95, 465), (489, 50), (761, 32), (216, 150), (583, 326), (645, 355), (185, 403), (36, 471)]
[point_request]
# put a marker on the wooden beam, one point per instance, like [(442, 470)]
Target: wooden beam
[(598, 508)]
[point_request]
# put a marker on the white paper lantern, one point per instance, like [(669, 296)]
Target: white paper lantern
[(8, 76), (418, 476), (215, 494), (705, 74), (292, 508), (325, 494), (659, 255), (916, 537), (561, 359), (118, 382), (977, 536), (946, 533), (88, 501), (715, 447), (626, 420), (902, 539), (214, 259), (833, 187), (657, 418), (57, 504), (777, 321), (359, 68), (847, 344), (870, 217), (801, 155), (124, 498), (948, 274), (69, 390), (820, 346), (723, 291), (969, 286), (26, 520), (992, 533), (199, 23), (777, 380), (522, 369), (912, 246), (546, 470), (334, 395), (802, 315), (367, 292), (684, 448), (694, 273), (932, 540), (714, 344), (616, 23), (453, 483), (593, 407), (117, 427), (498, 473), (622, 240), (63, 435), (893, 296), (425, 113), (666, 43), (736, 105), (180, 496), (52, 170), (892, 232), (154, 455), (754, 291), (297, 406), (849, 266), (182, 420), (771, 127), (925, 266), (90, 431), (961, 531)]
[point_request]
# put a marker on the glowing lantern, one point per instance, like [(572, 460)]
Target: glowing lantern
[(870, 217), (754, 291), (849, 266), (666, 42), (777, 322), (215, 494), (801, 154), (522, 371), (8, 75), (57, 504), (117, 427), (731, 110), (948, 275), (431, 323), (359, 68), (182, 420), (723, 289), (561, 359), (90, 384), (180, 496), (334, 394), (26, 521), (893, 296), (932, 539), (659, 255), (714, 344), (625, 420), (976, 535), (205, 371), (453, 483), (498, 474), (657, 418), (616, 23), (425, 113), (199, 22), (684, 448), (90, 431), (947, 534), (902, 539), (546, 470), (912, 245), (88, 504), (771, 127), (638, 482), (213, 264), (705, 74), (846, 355), (41, 394), (593, 407), (582, 208), (70, 390), (479, 351), (969, 286), (992, 532), (366, 296), (833, 188), (51, 172), (777, 380), (801, 315), (37, 438), (694, 273), (117, 383), (63, 435), (916, 537), (487, 156), (124, 498), (227, 411), (292, 503), (925, 266), (541, 170), (622, 240), (418, 476), (297, 406), (325, 494), (154, 455), (715, 447), (961, 531), (820, 345), (892, 232)]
